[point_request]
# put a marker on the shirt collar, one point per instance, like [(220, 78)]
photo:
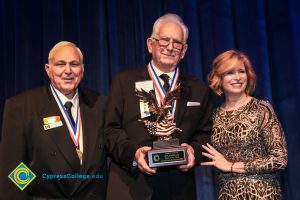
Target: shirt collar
[(64, 99), (159, 72)]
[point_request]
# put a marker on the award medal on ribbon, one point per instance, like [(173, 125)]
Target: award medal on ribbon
[(160, 89), (73, 130)]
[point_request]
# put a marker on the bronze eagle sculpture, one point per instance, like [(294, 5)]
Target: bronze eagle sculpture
[(160, 112)]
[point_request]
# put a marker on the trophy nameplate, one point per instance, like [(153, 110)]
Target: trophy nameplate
[(167, 153)]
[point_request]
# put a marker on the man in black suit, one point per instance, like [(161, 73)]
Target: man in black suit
[(57, 132), (128, 140)]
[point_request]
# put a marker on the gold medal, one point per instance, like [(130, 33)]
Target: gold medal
[(79, 154)]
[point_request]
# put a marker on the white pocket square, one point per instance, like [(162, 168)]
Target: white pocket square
[(193, 103)]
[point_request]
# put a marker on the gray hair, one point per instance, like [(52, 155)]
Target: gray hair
[(61, 44), (170, 17)]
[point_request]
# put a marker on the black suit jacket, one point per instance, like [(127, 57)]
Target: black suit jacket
[(125, 134), (52, 151)]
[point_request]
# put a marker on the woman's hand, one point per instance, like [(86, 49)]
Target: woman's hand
[(217, 159)]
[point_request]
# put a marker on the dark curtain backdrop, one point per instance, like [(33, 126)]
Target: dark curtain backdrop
[(112, 35)]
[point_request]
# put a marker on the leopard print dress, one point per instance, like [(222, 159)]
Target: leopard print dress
[(251, 134)]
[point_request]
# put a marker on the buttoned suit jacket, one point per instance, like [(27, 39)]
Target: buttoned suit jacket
[(52, 152), (125, 134)]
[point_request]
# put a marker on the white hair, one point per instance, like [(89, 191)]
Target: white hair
[(61, 44), (170, 17)]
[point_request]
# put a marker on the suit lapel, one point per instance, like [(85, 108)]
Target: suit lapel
[(145, 75), (88, 124), (60, 135), (182, 101), (89, 136)]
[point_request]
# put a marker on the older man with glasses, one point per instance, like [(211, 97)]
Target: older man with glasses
[(128, 139)]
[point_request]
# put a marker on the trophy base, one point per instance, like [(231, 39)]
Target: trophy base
[(167, 153)]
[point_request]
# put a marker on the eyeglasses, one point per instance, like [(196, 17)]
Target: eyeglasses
[(164, 42)]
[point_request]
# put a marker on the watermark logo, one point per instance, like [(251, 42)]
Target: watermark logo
[(21, 176), (72, 176)]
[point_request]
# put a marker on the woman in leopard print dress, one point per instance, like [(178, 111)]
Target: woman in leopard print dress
[(248, 143)]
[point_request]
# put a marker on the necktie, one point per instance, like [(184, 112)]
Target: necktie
[(68, 106), (165, 78)]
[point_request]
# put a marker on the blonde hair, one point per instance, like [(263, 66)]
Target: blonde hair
[(226, 62), (169, 17), (61, 44)]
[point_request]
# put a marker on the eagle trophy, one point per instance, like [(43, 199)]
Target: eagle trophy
[(159, 112)]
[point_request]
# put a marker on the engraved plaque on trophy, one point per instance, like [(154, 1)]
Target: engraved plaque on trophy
[(166, 149)]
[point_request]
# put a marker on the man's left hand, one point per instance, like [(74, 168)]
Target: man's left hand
[(191, 158)]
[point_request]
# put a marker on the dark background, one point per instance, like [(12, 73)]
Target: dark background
[(112, 36)]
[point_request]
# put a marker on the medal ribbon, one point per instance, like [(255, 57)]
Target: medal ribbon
[(160, 89), (73, 130)]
